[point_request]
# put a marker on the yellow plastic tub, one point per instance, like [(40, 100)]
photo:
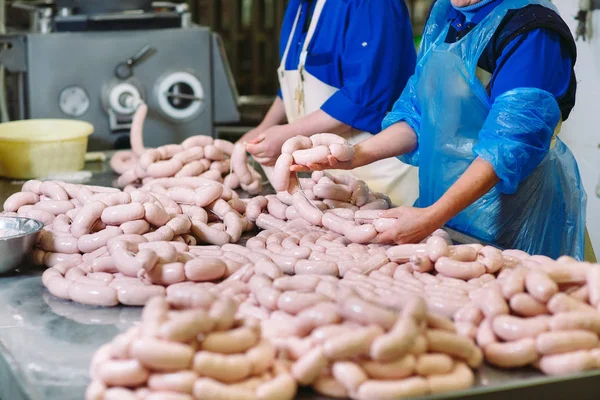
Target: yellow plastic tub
[(36, 148)]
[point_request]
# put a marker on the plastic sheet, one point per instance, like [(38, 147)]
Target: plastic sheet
[(539, 205)]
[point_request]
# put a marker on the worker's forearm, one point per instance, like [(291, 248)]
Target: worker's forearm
[(396, 140), (476, 181), (275, 115)]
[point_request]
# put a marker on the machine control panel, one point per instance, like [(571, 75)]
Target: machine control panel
[(74, 101)]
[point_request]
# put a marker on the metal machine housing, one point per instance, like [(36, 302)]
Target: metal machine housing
[(77, 69)]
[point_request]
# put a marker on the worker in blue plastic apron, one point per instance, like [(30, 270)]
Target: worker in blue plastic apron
[(480, 117), (343, 64)]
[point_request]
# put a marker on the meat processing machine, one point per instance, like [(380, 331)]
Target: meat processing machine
[(96, 60)]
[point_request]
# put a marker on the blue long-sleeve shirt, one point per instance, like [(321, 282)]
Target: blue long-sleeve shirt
[(364, 48), (535, 59)]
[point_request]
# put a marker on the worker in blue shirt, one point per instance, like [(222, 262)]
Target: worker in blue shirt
[(343, 64), (480, 117)]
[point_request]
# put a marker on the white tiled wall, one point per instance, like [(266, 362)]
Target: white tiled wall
[(581, 132)]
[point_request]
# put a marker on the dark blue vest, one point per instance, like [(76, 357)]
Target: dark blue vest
[(518, 22)]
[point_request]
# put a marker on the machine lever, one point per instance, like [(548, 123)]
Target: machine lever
[(124, 70), (184, 96)]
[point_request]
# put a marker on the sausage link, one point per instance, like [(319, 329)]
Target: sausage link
[(180, 381), (567, 363), (398, 369), (526, 306), (223, 312), (207, 388), (54, 191), (459, 269), (450, 343), (356, 343), (356, 309), (343, 152), (138, 227), (395, 343), (492, 302), (93, 294), (540, 286), (119, 214), (281, 172), (225, 368), (261, 357), (161, 355), (460, 378), (404, 252), (433, 364), (349, 374), (229, 342), (164, 395), (86, 218), (565, 341), (198, 140), (511, 354), (491, 258), (562, 302), (511, 328), (207, 234), (282, 387), (303, 267), (576, 320), (309, 366), (95, 391), (186, 325), (330, 387), (316, 155), (435, 321), (332, 192), (138, 295), (92, 242), (391, 390), (129, 373)]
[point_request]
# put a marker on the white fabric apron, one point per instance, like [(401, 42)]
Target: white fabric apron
[(303, 94)]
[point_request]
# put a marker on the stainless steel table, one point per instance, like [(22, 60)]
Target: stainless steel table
[(46, 344)]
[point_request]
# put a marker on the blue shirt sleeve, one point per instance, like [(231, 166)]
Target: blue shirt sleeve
[(517, 132), (377, 60), (534, 60)]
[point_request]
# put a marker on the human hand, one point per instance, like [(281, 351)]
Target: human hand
[(251, 135), (267, 146), (414, 225)]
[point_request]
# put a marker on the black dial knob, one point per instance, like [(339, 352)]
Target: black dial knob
[(124, 70)]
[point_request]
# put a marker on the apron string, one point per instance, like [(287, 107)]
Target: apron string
[(289, 42), (311, 32)]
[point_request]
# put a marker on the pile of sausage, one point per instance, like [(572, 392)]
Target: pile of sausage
[(464, 262), (217, 160), (542, 313), (349, 347), (201, 156), (303, 150), (132, 272), (342, 204), (105, 246), (201, 353)]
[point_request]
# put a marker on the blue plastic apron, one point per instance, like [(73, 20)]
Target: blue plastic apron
[(546, 214)]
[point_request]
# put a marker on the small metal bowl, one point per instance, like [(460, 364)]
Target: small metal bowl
[(17, 237)]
